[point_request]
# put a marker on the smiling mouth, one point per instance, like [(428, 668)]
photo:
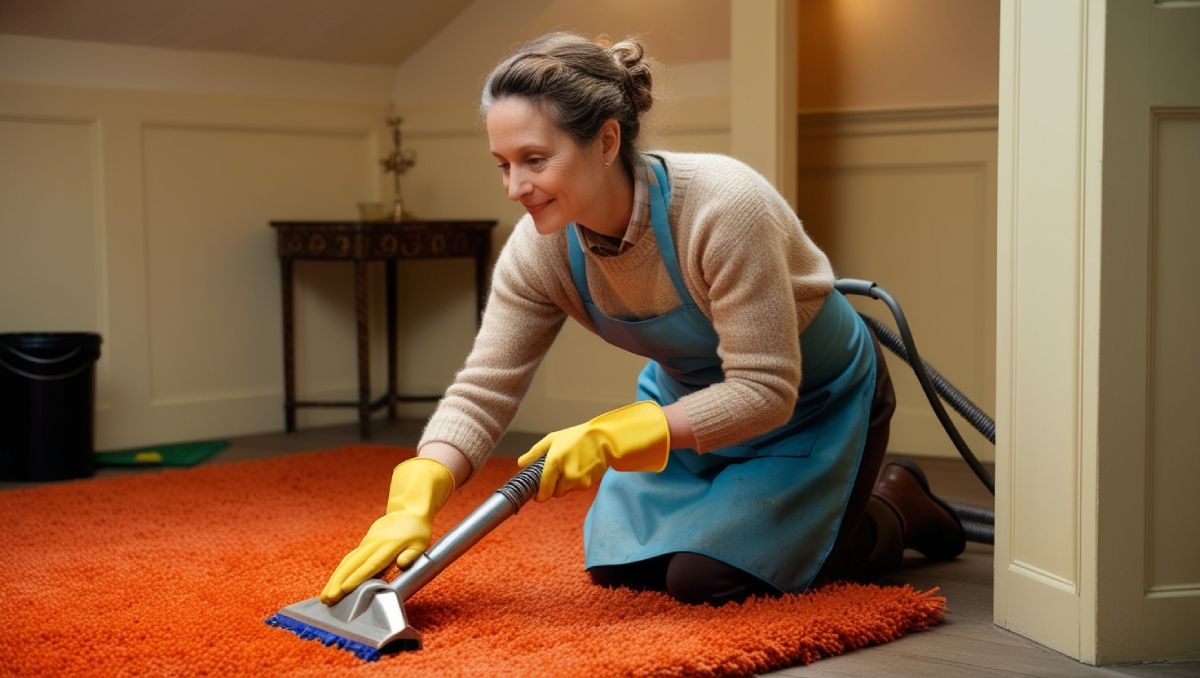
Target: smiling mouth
[(534, 209)]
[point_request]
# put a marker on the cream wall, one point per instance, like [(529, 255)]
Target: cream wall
[(882, 54), (139, 183), (450, 69), (897, 156), (137, 186), (91, 64)]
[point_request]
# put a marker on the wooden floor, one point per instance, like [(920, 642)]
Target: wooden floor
[(967, 644)]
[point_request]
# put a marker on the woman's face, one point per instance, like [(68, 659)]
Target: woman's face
[(543, 167)]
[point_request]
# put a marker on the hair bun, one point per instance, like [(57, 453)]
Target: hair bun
[(627, 53), (629, 56)]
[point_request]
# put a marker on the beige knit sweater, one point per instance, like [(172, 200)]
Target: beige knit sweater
[(746, 261)]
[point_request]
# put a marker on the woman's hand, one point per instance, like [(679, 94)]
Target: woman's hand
[(420, 487), (636, 437)]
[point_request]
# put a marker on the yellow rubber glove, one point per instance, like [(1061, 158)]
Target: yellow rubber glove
[(631, 438), (420, 486)]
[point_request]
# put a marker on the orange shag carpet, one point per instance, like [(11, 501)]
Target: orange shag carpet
[(173, 573)]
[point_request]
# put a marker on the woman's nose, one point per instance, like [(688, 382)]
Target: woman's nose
[(516, 185)]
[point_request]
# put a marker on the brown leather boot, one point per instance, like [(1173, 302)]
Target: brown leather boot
[(930, 525)]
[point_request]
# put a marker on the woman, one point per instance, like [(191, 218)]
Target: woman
[(748, 462)]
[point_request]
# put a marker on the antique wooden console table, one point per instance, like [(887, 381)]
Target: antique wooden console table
[(362, 242)]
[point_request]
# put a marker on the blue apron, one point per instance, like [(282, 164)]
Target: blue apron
[(771, 505)]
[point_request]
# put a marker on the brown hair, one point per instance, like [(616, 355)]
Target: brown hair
[(580, 84)]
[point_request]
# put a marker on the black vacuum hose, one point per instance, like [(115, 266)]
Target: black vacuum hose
[(953, 397), (975, 514), (979, 517), (977, 521), (980, 533)]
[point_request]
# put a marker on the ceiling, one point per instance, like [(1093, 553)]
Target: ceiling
[(381, 32), (377, 32)]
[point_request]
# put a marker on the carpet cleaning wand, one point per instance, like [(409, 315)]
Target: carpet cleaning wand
[(371, 618)]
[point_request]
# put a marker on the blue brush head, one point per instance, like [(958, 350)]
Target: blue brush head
[(308, 632)]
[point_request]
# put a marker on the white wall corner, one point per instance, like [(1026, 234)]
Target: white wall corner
[(763, 81)]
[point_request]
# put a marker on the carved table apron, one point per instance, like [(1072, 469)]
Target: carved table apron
[(362, 242)]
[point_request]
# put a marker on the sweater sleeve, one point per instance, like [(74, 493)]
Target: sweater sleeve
[(520, 323), (761, 281)]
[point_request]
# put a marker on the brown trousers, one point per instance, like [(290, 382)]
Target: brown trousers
[(870, 541)]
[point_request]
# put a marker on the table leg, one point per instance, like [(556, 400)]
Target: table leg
[(482, 254), (364, 348), (289, 347), (393, 387)]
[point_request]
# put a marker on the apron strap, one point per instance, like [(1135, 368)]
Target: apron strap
[(662, 229), (577, 262), (659, 197)]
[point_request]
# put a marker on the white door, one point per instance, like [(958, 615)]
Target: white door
[(1098, 550), (1149, 529)]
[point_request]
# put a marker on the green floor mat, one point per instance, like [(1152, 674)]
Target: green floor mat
[(177, 454)]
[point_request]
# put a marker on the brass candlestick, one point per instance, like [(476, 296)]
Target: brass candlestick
[(398, 162)]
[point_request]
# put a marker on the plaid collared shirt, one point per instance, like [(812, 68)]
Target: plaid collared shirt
[(639, 217)]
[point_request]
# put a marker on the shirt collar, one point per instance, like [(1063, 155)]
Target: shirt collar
[(639, 216)]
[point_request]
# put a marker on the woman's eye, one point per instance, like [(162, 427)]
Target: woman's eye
[(536, 162)]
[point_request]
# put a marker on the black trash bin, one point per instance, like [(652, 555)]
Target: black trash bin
[(47, 389)]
